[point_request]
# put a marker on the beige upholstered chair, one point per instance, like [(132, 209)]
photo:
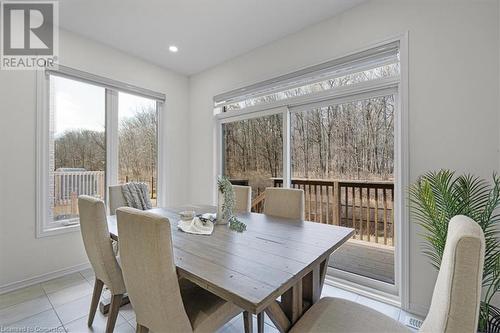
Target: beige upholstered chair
[(243, 196), (160, 304), (455, 301), (99, 250), (284, 202), (458, 285), (116, 198)]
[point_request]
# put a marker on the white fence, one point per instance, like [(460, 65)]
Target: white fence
[(68, 185)]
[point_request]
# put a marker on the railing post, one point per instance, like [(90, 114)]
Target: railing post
[(337, 208)]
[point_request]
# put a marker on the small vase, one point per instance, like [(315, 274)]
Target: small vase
[(220, 203)]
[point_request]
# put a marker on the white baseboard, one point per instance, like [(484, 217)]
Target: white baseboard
[(42, 278)]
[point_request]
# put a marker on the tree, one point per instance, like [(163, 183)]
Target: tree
[(138, 147), (352, 140)]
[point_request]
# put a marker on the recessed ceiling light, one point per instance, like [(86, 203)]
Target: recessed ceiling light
[(173, 48)]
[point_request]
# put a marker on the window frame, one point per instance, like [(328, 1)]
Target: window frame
[(397, 294), (44, 225)]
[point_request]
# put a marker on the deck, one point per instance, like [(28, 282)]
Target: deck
[(366, 206), (365, 259)]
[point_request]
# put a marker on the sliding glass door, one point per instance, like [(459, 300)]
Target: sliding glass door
[(342, 153), (338, 131), (342, 156)]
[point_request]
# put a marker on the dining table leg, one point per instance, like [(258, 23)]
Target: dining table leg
[(323, 267), (278, 317), (296, 300), (248, 322), (260, 322), (291, 302), (311, 287)]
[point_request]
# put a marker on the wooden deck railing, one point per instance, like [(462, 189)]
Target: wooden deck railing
[(68, 185), (366, 206)]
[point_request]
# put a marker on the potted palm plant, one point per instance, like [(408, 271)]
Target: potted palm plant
[(438, 196)]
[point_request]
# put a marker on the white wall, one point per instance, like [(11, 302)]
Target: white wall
[(453, 90), (22, 256)]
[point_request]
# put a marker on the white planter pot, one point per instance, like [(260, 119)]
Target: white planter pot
[(220, 202)]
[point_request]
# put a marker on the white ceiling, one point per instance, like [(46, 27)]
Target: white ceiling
[(207, 32)]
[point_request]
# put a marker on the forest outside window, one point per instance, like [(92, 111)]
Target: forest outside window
[(90, 136), (253, 152), (138, 142)]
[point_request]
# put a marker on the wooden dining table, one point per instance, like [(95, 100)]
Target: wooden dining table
[(274, 258)]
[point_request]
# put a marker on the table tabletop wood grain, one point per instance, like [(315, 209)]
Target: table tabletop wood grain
[(252, 268)]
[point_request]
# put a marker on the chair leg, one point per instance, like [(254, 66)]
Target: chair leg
[(248, 322), (96, 296), (116, 302), (141, 329)]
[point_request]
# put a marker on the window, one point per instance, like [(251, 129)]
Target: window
[(138, 141), (386, 71), (253, 152), (371, 65), (92, 132), (77, 146), (334, 131)]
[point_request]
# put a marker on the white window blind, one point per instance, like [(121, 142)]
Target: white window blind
[(372, 64), (105, 82)]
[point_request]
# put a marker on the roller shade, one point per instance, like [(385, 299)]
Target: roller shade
[(105, 82), (372, 58)]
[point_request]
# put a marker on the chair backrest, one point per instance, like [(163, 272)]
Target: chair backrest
[(116, 198), (457, 293), (284, 202), (149, 270), (97, 241), (243, 196)]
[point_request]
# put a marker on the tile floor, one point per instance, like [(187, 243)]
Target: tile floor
[(62, 304)]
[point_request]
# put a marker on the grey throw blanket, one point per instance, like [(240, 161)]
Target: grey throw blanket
[(137, 195)]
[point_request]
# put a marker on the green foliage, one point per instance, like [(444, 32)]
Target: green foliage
[(236, 225), (226, 188), (438, 196)]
